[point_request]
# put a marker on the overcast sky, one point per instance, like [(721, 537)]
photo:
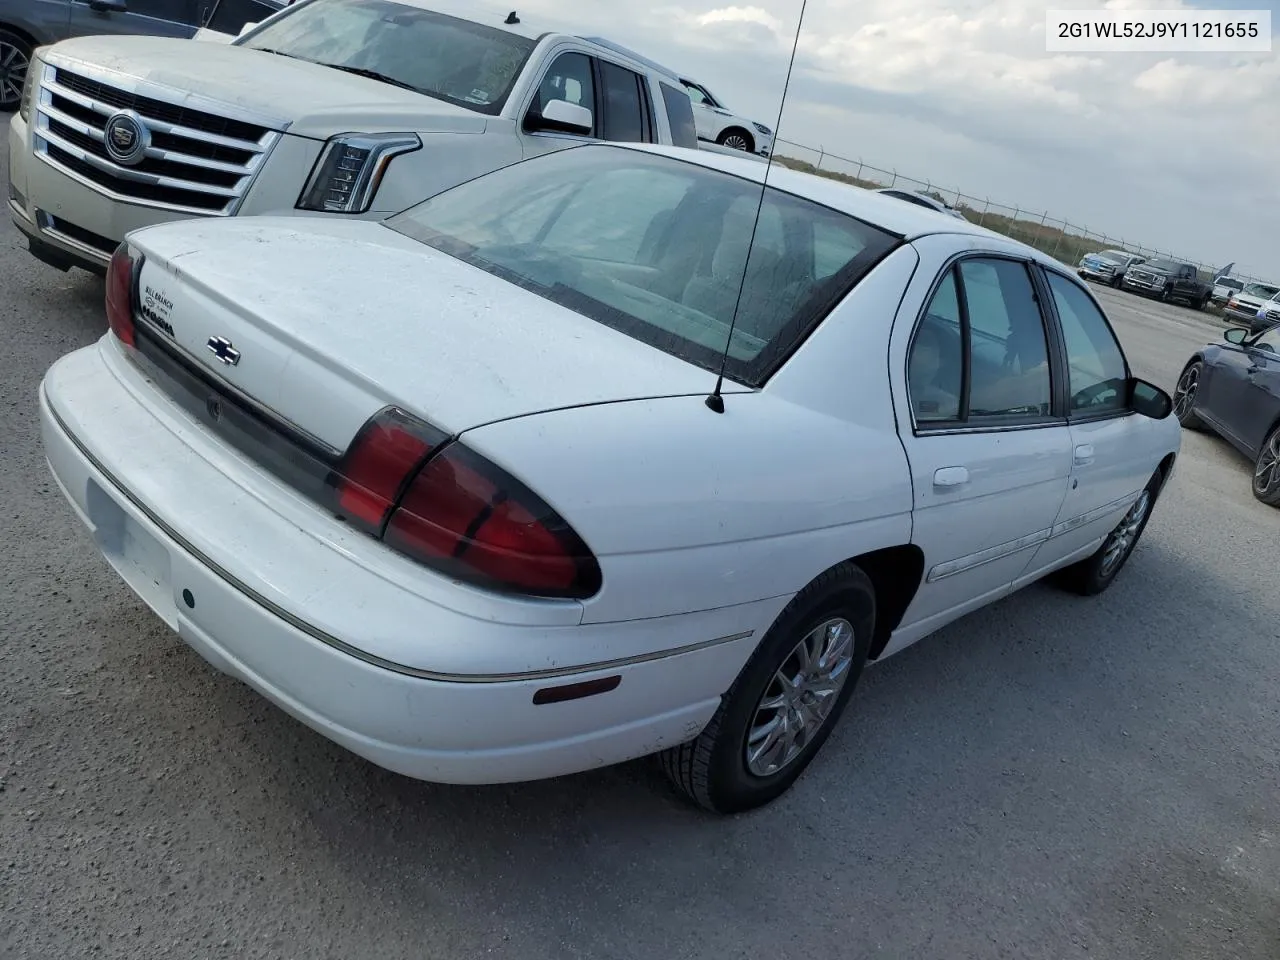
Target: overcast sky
[(1179, 151)]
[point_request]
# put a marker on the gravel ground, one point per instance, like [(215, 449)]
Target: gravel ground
[(1050, 777)]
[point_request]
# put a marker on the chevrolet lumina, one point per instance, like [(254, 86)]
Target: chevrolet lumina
[(348, 108), (497, 516)]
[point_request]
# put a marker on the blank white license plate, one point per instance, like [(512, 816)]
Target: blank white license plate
[(139, 558)]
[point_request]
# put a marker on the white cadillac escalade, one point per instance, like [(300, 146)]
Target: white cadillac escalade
[(356, 108)]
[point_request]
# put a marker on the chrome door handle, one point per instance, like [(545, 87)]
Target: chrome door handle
[(1084, 453), (950, 476)]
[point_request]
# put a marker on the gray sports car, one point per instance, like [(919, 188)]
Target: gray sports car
[(1233, 389)]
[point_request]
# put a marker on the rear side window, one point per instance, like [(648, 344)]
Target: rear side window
[(624, 112), (658, 249), (680, 116), (1096, 369)]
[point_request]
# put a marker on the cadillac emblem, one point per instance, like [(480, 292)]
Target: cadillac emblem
[(126, 138)]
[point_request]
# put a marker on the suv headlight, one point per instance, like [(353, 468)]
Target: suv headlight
[(762, 129), (350, 170), (28, 88)]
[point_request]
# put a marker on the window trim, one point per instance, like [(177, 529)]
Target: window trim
[(1062, 347), (1057, 409)]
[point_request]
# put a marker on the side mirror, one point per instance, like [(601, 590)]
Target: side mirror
[(1149, 400), (565, 116), (1235, 335)]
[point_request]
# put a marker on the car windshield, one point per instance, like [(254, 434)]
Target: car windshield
[(656, 248), (454, 60), (1264, 290), (1231, 284), (1167, 266), (1112, 256)]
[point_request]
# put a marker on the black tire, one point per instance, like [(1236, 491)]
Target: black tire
[(1184, 395), (1094, 574), (1266, 470), (712, 770), (1116, 280), (19, 48), (731, 137)]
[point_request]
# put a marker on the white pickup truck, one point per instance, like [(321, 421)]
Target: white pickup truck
[(356, 108)]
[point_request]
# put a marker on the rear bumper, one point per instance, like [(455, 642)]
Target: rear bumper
[(260, 598)]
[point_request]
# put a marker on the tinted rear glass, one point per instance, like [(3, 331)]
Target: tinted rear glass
[(657, 248)]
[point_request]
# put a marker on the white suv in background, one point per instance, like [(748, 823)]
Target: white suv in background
[(355, 108)]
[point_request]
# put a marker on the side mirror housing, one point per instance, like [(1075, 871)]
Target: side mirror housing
[(563, 116), (1149, 400), (1235, 335), (246, 28)]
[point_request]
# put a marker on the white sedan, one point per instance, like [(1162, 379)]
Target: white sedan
[(466, 492)]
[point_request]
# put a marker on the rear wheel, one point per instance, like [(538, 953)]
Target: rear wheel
[(1093, 575), (15, 58), (1266, 470), (786, 700), (1184, 396)]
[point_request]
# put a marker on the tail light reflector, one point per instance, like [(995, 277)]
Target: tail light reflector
[(120, 277), (472, 520)]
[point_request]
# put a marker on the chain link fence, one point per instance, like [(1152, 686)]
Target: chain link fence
[(1064, 241)]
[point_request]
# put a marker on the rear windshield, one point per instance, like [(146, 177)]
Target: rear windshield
[(656, 248), (454, 60)]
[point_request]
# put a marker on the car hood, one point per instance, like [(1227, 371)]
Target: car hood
[(304, 98), (1252, 301), (336, 319)]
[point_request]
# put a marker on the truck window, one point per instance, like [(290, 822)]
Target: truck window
[(623, 108), (569, 79), (680, 116)]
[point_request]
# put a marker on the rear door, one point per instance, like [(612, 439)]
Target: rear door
[(161, 18), (1108, 466), (990, 453)]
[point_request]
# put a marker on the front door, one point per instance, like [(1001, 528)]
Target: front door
[(1256, 411), (160, 18), (990, 456), (1223, 386), (1107, 471)]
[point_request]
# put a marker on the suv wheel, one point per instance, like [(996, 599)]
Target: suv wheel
[(15, 57)]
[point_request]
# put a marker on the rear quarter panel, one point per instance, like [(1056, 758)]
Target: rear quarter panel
[(690, 510)]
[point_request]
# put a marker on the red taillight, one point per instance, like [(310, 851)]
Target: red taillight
[(381, 459), (471, 520), (120, 294)]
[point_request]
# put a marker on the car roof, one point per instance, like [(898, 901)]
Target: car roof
[(907, 220), (637, 57)]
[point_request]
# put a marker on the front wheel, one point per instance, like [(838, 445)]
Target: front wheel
[(1266, 470), (786, 700), (1184, 396), (15, 58), (1094, 574), (736, 139)]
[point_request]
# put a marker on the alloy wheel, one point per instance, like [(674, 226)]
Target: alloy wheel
[(1184, 394), (1265, 476), (798, 700), (13, 72), (1125, 534), (735, 141)]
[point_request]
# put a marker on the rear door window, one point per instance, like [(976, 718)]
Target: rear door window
[(624, 105)]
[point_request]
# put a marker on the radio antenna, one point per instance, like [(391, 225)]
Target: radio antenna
[(715, 400)]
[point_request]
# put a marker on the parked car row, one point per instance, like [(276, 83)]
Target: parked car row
[(493, 451), (1252, 304)]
